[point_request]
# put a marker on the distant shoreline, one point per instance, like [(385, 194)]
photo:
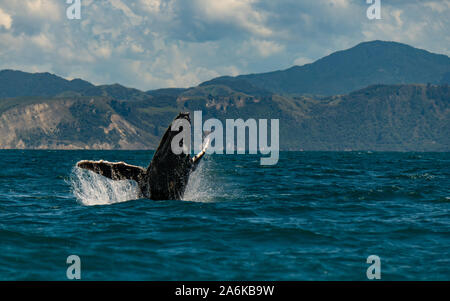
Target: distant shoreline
[(286, 151)]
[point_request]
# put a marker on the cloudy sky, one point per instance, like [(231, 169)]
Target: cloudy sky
[(151, 44)]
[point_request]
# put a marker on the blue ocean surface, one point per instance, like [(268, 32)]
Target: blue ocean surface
[(313, 216)]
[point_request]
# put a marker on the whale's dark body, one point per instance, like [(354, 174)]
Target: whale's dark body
[(164, 179)]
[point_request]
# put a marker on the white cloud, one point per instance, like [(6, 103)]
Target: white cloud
[(264, 48), (132, 17), (339, 3), (159, 43), (101, 50), (43, 42), (438, 6), (5, 19), (300, 61), (152, 6), (238, 12), (50, 10), (397, 16)]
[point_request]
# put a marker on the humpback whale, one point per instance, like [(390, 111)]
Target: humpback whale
[(167, 175)]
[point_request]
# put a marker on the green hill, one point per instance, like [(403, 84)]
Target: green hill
[(17, 83), (397, 109), (381, 117), (368, 63)]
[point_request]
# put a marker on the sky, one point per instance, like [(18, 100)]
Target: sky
[(150, 44)]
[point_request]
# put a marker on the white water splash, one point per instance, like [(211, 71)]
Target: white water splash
[(201, 186), (91, 189)]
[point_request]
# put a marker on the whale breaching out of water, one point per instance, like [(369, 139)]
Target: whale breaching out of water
[(167, 175)]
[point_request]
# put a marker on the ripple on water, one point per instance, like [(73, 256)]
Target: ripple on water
[(314, 216)]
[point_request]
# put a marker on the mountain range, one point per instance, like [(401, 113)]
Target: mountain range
[(382, 96)]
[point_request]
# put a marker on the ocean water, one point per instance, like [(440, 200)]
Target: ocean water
[(313, 216)]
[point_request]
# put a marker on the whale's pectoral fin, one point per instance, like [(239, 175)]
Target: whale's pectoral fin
[(114, 171), (196, 160)]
